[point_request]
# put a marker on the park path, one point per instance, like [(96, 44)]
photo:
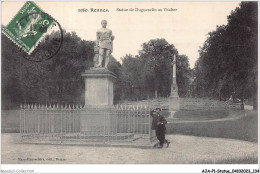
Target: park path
[(182, 150)]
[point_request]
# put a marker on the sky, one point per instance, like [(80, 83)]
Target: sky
[(186, 26)]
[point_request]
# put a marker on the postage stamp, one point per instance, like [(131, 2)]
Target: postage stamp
[(50, 42), (28, 27)]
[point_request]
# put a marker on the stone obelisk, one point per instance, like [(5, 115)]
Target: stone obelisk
[(173, 100), (174, 87)]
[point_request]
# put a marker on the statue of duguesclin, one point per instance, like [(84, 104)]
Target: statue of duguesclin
[(104, 45)]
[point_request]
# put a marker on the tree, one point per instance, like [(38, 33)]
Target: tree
[(150, 72), (115, 67), (57, 80), (228, 59), (158, 57), (183, 73), (132, 78)]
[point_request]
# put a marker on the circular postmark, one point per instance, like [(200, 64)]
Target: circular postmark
[(44, 33)]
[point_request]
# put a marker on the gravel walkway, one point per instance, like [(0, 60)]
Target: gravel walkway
[(182, 150)]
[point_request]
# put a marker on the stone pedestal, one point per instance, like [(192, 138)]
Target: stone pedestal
[(98, 115), (173, 100), (98, 87), (174, 103)]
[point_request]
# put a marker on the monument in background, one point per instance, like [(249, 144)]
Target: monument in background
[(99, 90), (173, 100), (174, 87)]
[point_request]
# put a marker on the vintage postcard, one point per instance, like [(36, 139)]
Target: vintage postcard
[(129, 83)]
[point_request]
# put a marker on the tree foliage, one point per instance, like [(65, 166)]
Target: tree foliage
[(184, 74), (151, 71), (228, 59), (59, 81)]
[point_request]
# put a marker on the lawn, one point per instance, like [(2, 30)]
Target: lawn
[(10, 120), (198, 115), (245, 128)]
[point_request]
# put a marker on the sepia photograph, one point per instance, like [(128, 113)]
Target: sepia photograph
[(125, 82)]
